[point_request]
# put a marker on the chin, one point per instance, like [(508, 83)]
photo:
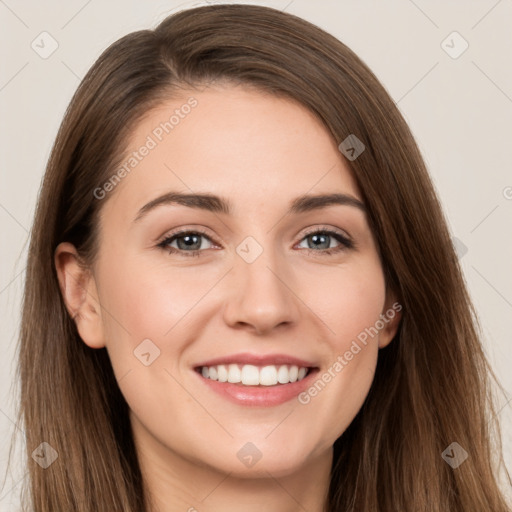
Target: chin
[(246, 460)]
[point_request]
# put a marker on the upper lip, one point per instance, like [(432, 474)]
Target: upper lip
[(258, 360)]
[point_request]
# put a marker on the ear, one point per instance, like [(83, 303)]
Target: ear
[(79, 292), (390, 317)]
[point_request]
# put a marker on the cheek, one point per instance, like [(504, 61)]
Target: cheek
[(148, 301), (347, 300), (152, 302), (350, 307)]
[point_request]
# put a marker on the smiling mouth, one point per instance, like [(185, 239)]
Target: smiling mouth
[(251, 375)]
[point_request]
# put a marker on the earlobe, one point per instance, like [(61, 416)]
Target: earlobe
[(78, 289), (390, 317)]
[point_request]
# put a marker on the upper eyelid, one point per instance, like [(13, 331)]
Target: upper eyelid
[(182, 232)]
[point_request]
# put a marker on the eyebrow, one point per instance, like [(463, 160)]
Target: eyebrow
[(216, 204)]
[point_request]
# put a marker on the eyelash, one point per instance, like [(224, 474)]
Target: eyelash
[(345, 243)]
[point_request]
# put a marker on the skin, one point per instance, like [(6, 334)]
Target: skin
[(260, 152)]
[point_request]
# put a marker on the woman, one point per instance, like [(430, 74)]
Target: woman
[(267, 370)]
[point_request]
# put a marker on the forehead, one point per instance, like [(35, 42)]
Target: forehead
[(252, 147)]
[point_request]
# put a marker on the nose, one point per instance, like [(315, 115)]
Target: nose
[(261, 295)]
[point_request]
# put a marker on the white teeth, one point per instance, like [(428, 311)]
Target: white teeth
[(234, 374), (250, 375), (268, 376), (283, 375), (222, 373)]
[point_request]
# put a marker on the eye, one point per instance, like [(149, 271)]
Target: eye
[(188, 243), (321, 242)]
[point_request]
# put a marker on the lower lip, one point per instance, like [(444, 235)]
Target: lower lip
[(263, 396)]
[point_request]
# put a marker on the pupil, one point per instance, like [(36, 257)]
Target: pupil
[(189, 240), (317, 238)]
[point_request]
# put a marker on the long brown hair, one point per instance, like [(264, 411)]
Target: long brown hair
[(432, 385)]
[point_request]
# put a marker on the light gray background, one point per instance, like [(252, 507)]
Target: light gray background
[(459, 109)]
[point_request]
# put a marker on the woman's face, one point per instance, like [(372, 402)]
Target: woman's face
[(262, 280)]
